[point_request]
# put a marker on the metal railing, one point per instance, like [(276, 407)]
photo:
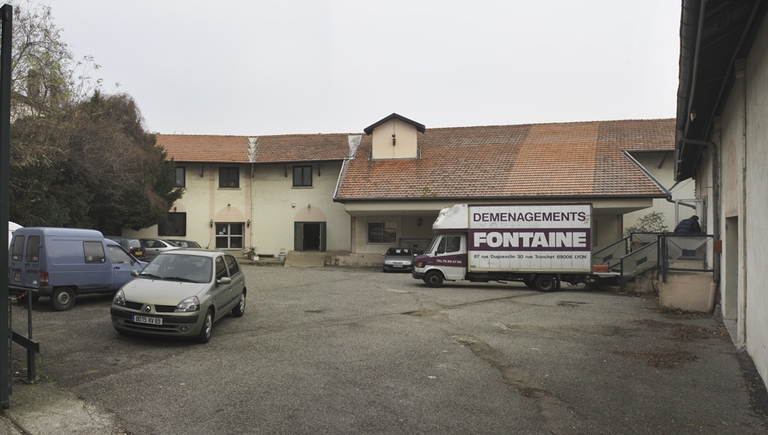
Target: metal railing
[(686, 252), (640, 260), (612, 254), (664, 252)]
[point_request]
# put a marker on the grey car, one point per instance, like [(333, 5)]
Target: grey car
[(181, 293), (398, 259), (184, 243), (154, 246)]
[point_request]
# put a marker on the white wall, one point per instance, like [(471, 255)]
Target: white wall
[(756, 236), (662, 168), (742, 141)]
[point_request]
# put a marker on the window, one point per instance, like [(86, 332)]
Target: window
[(231, 264), (382, 232), (229, 177), (175, 224), (221, 268), (229, 236), (449, 244), (302, 176), (181, 177), (94, 252), (18, 248), (118, 255)]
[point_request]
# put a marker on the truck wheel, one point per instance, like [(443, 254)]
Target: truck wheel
[(545, 283), (63, 298), (433, 279)]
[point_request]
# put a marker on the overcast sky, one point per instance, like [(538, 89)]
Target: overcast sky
[(263, 67)]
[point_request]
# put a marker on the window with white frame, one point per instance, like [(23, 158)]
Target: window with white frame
[(229, 235)]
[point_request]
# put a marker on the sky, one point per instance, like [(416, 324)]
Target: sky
[(267, 67)]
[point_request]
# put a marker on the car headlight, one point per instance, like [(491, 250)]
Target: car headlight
[(191, 303), (119, 298)]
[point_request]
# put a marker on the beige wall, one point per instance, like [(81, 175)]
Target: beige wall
[(277, 205), (405, 145), (268, 200)]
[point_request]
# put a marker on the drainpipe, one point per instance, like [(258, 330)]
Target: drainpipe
[(715, 198)]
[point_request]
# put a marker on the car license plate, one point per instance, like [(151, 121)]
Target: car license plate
[(139, 253), (149, 320)]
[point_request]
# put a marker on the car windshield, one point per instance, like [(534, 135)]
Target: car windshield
[(188, 268), (399, 251)]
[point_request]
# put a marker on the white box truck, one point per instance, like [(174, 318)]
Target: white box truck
[(538, 244)]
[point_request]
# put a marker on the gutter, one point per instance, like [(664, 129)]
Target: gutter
[(667, 193)]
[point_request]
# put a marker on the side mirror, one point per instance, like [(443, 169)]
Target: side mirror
[(225, 280), (134, 273)]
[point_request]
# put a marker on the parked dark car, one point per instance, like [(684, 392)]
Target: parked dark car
[(131, 245), (398, 259)]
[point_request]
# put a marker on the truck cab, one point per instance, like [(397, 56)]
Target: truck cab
[(444, 259)]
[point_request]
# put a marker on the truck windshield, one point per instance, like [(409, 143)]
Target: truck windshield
[(432, 245)]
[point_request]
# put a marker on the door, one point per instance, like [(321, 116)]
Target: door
[(25, 261), (309, 236), (221, 293), (122, 265), (451, 254)]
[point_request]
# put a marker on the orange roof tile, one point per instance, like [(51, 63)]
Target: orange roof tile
[(581, 159), (269, 149)]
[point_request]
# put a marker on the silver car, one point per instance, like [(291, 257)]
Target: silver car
[(182, 293), (153, 247), (398, 259)]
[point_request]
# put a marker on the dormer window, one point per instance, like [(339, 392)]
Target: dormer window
[(395, 137)]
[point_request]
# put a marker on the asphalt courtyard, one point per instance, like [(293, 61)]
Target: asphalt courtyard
[(357, 351)]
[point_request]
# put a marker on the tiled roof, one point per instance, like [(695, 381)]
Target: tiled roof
[(269, 149), (581, 159)]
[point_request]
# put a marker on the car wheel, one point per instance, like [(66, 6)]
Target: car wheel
[(205, 332), (63, 298), (239, 309), (545, 283), (433, 279)]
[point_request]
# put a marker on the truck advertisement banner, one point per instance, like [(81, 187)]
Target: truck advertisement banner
[(530, 237)]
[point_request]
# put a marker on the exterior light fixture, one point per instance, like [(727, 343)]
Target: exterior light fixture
[(248, 224), (211, 223)]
